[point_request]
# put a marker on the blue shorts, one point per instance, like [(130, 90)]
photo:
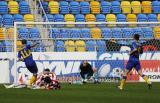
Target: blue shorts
[(133, 63), (32, 67)]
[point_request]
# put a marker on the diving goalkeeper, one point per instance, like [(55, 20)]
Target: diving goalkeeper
[(136, 50)]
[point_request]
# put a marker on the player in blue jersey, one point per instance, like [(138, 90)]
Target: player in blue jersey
[(136, 50), (25, 55)]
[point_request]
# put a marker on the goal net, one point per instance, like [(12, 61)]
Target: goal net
[(64, 45)]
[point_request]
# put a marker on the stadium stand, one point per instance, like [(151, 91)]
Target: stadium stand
[(80, 11)]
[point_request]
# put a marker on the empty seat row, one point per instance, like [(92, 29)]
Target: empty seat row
[(13, 7), (8, 19), (95, 7), (24, 33), (96, 33), (80, 46), (102, 18)]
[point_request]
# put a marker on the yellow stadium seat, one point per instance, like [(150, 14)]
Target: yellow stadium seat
[(90, 18), (70, 46), (13, 7), (95, 7), (96, 33), (158, 17), (69, 18), (131, 18), (136, 7), (126, 7), (54, 7), (10, 33), (2, 33), (111, 18), (29, 18), (146, 7), (80, 46), (156, 32)]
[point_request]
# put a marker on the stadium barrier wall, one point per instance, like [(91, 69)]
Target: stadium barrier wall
[(66, 65)]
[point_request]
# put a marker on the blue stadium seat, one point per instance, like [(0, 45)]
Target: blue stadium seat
[(3, 7), (85, 33), (75, 33), (65, 33), (74, 7), (80, 18), (156, 6), (49, 17), (152, 18), (106, 33), (1, 46), (18, 18), (85, 7), (142, 18), (116, 33), (7, 20), (59, 46), (8, 46), (59, 18), (23, 33), (24, 7), (116, 8), (45, 7), (55, 33), (90, 45), (1, 21), (148, 33), (101, 18), (105, 7), (138, 31), (101, 46), (64, 7), (34, 33), (127, 32), (121, 18)]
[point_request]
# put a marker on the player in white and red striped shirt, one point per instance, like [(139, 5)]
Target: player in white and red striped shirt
[(47, 80)]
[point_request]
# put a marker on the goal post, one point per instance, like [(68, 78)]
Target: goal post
[(99, 55)]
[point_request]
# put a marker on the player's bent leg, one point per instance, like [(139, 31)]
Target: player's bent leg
[(123, 80), (146, 79)]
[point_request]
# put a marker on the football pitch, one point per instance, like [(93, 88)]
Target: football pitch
[(88, 93)]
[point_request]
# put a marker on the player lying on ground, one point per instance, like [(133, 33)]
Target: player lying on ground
[(134, 62), (47, 80), (87, 72), (25, 55)]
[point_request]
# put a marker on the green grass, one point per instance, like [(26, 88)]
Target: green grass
[(89, 93)]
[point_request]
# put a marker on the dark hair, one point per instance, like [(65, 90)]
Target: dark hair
[(24, 41), (47, 70), (136, 36)]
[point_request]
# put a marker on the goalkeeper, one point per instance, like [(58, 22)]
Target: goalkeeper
[(88, 73), (136, 50), (25, 55)]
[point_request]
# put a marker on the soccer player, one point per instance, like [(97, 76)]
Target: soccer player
[(25, 55), (136, 50), (47, 80)]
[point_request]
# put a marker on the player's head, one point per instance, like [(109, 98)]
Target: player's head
[(24, 42), (85, 62), (46, 71), (136, 36)]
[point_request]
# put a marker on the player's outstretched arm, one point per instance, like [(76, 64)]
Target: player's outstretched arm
[(35, 44)]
